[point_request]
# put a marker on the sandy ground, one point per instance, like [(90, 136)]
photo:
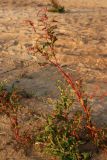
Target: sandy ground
[(81, 46)]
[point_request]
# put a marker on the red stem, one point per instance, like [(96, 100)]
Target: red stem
[(70, 81)]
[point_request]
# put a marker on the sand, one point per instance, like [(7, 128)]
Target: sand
[(81, 46)]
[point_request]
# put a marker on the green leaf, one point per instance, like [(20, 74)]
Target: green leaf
[(86, 155)]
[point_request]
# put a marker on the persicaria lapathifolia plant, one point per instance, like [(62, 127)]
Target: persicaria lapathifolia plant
[(45, 46), (9, 105)]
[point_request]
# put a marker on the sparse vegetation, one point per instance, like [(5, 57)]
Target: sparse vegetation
[(66, 131), (56, 7), (69, 126), (10, 106), (63, 131)]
